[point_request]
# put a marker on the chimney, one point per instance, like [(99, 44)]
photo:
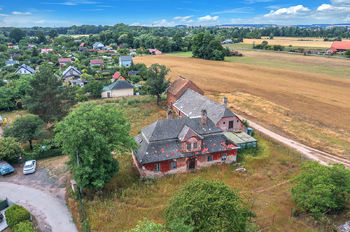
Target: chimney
[(204, 117), (169, 114), (224, 102)]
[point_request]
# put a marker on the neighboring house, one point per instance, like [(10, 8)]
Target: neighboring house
[(132, 54), (340, 46), (118, 88), (25, 70), (78, 82), (227, 41), (125, 61), (180, 145), (130, 73), (153, 51), (98, 46), (191, 103), (64, 61), (82, 45), (46, 50), (11, 62), (117, 76), (71, 72), (96, 62), (178, 87)]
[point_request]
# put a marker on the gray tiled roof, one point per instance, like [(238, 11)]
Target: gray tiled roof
[(69, 68), (125, 58), (170, 128), (191, 104), (27, 68), (119, 84)]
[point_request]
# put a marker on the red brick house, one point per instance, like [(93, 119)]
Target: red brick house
[(177, 145), (191, 103), (178, 87), (340, 46)]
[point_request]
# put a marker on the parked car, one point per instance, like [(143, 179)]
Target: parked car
[(29, 167), (5, 168)]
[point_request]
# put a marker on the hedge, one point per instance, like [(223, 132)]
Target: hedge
[(16, 214), (43, 154), (24, 226)]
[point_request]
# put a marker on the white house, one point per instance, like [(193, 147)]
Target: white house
[(25, 70), (118, 88), (125, 61), (98, 46)]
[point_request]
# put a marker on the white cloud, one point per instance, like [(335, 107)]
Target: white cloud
[(31, 20), (208, 18), (257, 1), (163, 23), (3, 15), (74, 3), (21, 13), (182, 18), (288, 12)]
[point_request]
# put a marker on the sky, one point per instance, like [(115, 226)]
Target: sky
[(54, 13)]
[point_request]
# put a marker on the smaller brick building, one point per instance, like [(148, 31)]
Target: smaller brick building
[(176, 145), (178, 87)]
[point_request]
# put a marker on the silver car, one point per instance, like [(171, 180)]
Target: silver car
[(29, 167)]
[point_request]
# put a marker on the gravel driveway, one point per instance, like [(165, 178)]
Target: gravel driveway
[(43, 194), (42, 205)]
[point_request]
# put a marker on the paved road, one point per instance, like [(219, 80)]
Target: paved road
[(311, 153), (42, 205)]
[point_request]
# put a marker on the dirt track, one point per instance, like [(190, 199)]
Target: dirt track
[(324, 99)]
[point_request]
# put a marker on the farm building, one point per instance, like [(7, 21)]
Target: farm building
[(118, 88), (178, 87), (153, 51), (125, 61), (191, 103), (25, 70), (340, 46), (177, 145), (242, 139)]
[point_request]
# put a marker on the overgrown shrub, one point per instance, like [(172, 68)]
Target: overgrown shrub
[(16, 214), (24, 226), (320, 190)]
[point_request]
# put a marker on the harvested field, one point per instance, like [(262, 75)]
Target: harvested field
[(320, 102), (294, 41)]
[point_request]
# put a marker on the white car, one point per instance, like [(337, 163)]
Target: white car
[(29, 167)]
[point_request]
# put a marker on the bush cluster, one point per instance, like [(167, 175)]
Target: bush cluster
[(16, 214), (24, 226)]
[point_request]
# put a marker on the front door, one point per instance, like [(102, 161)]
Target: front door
[(108, 94), (192, 164)]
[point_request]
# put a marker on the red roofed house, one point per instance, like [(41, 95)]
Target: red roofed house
[(340, 46), (178, 87), (117, 76), (46, 50), (64, 61), (82, 45), (154, 51), (96, 62), (177, 145)]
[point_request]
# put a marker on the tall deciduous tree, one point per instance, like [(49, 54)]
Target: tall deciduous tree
[(89, 134), (45, 98), (10, 150), (17, 34), (156, 81), (53, 33), (207, 206), (27, 128)]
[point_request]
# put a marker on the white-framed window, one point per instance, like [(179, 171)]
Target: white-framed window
[(210, 158), (173, 165), (156, 167), (224, 157)]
